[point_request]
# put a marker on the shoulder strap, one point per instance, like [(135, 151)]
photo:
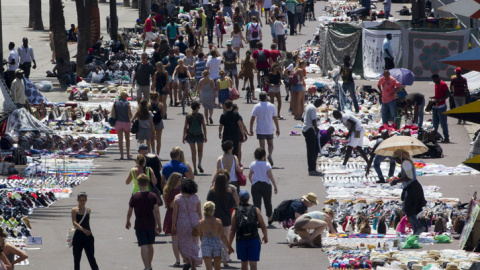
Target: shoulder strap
[(84, 215), (221, 163)]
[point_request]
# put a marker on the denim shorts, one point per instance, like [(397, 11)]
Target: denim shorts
[(296, 88), (249, 250), (145, 237), (195, 138)]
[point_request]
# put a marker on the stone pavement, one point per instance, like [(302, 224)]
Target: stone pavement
[(108, 195)]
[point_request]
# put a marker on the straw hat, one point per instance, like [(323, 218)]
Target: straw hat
[(452, 266), (311, 197)]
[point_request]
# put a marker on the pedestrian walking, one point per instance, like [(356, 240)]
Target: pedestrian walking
[(10, 254), (25, 53), (298, 89), (247, 68), (309, 130), (262, 64), (170, 63), (262, 180), (230, 126), (237, 38), (265, 114), (229, 162), (172, 189), (214, 62), (186, 215), (139, 169), (13, 62), (387, 52), (416, 100), (160, 86), (254, 33), (156, 108), (123, 114), (52, 44), (200, 25), (355, 135), (195, 133), (238, 17), (146, 128), (148, 28), (378, 159), (230, 61), (299, 16), (210, 17), (172, 32), (252, 12), (387, 7), (175, 165), (279, 28), (290, 6), (153, 162), (17, 89), (274, 81), (224, 84), (388, 87), (206, 91), (144, 71), (147, 219), (441, 95), (346, 71), (459, 90), (220, 28), (210, 229), (412, 193), (245, 221), (83, 238), (222, 196)]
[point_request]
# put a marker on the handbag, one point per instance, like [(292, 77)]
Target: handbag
[(155, 190), (113, 119), (71, 231), (233, 93), (243, 137), (430, 105), (242, 180), (135, 127)]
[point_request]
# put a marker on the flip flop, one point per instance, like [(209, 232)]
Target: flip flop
[(280, 117)]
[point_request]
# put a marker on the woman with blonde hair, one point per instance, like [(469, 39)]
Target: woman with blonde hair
[(298, 91), (137, 171), (206, 91), (156, 107), (160, 85), (223, 85), (246, 72), (200, 24), (122, 111), (316, 222), (171, 189), (210, 230)]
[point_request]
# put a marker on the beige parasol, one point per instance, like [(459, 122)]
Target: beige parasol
[(411, 145)]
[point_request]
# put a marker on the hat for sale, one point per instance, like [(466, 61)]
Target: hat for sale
[(244, 195), (311, 197), (142, 147)]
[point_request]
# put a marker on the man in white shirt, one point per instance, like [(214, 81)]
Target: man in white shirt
[(387, 7), (355, 135), (266, 114), (25, 53), (12, 64), (18, 89), (388, 52), (279, 27), (309, 131)]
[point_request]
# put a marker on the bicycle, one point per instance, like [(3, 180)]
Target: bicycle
[(262, 81), (182, 89)]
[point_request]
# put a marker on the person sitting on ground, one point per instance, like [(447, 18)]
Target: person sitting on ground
[(299, 207), (138, 28), (64, 73), (316, 221)]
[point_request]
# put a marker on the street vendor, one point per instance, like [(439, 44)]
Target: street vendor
[(412, 194)]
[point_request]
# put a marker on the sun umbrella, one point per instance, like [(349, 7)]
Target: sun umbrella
[(467, 8), (469, 112), (407, 143), (402, 75), (468, 60), (474, 162)]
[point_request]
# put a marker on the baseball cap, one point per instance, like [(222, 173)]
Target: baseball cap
[(142, 147), (229, 42), (244, 195), (458, 70)]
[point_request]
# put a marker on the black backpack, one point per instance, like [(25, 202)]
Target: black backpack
[(157, 114), (280, 212), (246, 222)]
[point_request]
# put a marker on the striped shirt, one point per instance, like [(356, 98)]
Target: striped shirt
[(200, 68), (459, 85)]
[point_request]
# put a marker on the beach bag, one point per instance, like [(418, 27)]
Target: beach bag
[(280, 212), (194, 127), (242, 181), (71, 231), (233, 93), (155, 190)]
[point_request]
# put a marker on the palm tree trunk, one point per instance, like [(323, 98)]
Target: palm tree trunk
[(134, 3), (1, 40), (30, 13), (102, 1), (95, 24), (144, 9), (37, 16), (84, 12), (113, 20), (57, 22), (126, 3)]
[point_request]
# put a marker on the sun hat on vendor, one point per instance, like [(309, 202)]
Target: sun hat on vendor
[(401, 154), (311, 197)]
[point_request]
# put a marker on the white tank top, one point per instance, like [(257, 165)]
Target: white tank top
[(233, 172)]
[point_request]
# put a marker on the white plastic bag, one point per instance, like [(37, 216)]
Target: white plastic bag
[(291, 235)]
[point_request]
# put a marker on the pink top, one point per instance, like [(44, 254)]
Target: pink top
[(388, 88)]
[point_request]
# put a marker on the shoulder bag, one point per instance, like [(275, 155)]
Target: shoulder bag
[(155, 190), (112, 120), (135, 127), (242, 180), (71, 231)]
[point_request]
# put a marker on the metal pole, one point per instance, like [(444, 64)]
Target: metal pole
[(1, 40)]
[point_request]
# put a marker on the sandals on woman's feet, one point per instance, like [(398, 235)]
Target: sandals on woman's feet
[(176, 264)]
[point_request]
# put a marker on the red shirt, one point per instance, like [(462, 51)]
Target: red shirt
[(148, 25), (441, 92), (265, 64), (388, 88), (274, 54)]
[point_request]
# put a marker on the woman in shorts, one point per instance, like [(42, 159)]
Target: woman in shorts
[(146, 128), (274, 80), (195, 133), (159, 85), (156, 108), (316, 221), (123, 113), (298, 91)]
